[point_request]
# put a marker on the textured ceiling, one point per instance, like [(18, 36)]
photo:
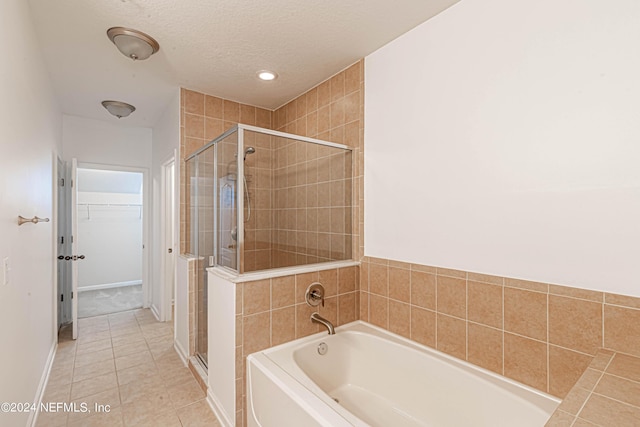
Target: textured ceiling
[(212, 46)]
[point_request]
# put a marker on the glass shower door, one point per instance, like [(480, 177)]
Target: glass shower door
[(205, 247), (229, 182)]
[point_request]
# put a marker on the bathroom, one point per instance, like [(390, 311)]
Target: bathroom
[(469, 264), (492, 203)]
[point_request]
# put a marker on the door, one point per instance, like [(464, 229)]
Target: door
[(168, 230), (64, 293), (74, 246)]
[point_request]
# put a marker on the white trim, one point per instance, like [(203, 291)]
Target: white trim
[(166, 242), (155, 312), (33, 415), (183, 354), (220, 413), (234, 277), (109, 285)]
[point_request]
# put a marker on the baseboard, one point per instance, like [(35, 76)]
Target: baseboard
[(219, 412), (181, 352), (109, 285), (33, 415), (155, 312)]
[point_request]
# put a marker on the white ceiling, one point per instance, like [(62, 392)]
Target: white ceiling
[(212, 46)]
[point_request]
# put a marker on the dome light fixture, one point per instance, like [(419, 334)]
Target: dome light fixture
[(267, 75), (118, 109), (133, 44)]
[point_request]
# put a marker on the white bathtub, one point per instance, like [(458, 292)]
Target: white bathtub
[(371, 377)]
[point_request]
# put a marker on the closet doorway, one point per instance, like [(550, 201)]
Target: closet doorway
[(110, 235)]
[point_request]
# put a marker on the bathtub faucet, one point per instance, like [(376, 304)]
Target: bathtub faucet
[(316, 318)]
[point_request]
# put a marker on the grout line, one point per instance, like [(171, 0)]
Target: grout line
[(502, 293), (548, 361), (603, 328), (466, 315)]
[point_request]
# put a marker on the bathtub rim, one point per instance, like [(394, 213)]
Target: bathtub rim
[(362, 327), (326, 414)]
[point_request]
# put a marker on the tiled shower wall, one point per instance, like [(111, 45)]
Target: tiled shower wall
[(203, 118), (540, 334), (258, 238), (332, 111), (273, 311), (313, 203)]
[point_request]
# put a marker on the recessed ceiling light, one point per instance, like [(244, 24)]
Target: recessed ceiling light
[(267, 75)]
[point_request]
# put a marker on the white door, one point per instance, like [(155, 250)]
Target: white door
[(74, 247), (168, 220)]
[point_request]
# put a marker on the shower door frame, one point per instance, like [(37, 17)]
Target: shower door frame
[(240, 128)]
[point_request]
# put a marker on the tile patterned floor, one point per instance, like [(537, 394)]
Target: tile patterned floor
[(125, 360)]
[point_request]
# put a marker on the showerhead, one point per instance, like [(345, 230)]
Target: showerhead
[(249, 150)]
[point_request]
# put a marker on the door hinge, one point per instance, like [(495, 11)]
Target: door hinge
[(61, 297), (71, 239), (61, 182), (62, 240), (71, 295), (72, 183)]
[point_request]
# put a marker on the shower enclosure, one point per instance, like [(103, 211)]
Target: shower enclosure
[(260, 199)]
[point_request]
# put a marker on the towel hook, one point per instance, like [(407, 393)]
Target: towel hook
[(34, 220)]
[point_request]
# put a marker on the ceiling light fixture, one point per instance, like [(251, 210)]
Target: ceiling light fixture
[(118, 109), (132, 43), (267, 75)]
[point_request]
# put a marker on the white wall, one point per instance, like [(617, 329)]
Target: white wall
[(97, 142), (94, 141), (30, 135), (166, 140), (110, 237), (502, 137)]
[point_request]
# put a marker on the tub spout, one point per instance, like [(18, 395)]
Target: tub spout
[(316, 318)]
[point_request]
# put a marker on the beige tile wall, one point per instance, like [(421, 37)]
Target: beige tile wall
[(271, 312), (332, 111), (313, 189), (258, 238), (202, 118), (608, 393), (540, 334)]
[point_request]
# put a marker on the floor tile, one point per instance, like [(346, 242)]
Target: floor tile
[(185, 393), (126, 363), (134, 359), (93, 370), (93, 385), (198, 414)]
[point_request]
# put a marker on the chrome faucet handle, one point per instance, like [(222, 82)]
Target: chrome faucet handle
[(315, 294)]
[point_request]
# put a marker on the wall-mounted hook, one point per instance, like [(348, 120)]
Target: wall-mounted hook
[(34, 220)]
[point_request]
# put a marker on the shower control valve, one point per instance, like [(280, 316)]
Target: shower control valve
[(315, 294)]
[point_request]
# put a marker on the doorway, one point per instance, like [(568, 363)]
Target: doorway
[(110, 237), (168, 240)]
